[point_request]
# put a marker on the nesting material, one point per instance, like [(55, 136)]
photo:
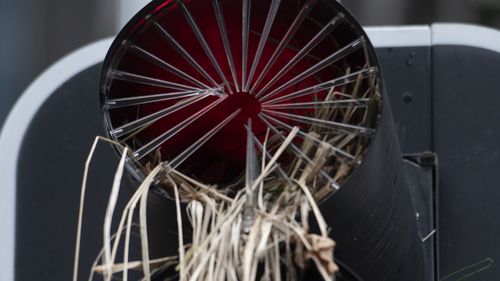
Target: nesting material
[(259, 231)]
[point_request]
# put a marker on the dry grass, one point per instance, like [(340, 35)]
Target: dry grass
[(260, 232)]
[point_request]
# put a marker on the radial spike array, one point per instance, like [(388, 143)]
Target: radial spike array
[(138, 100), (244, 39), (154, 144), (178, 47), (330, 104), (154, 59), (183, 85), (341, 127), (179, 159), (135, 78), (225, 40), (199, 35), (268, 120), (315, 68), (148, 119), (304, 51), (334, 83), (301, 16), (287, 127), (263, 40)]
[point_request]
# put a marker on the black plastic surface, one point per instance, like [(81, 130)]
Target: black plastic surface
[(453, 111), (421, 171), (407, 77), (466, 96), (372, 216), (50, 172)]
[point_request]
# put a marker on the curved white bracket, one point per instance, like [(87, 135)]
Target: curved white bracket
[(14, 129)]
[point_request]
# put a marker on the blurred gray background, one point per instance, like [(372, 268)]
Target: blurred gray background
[(35, 33)]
